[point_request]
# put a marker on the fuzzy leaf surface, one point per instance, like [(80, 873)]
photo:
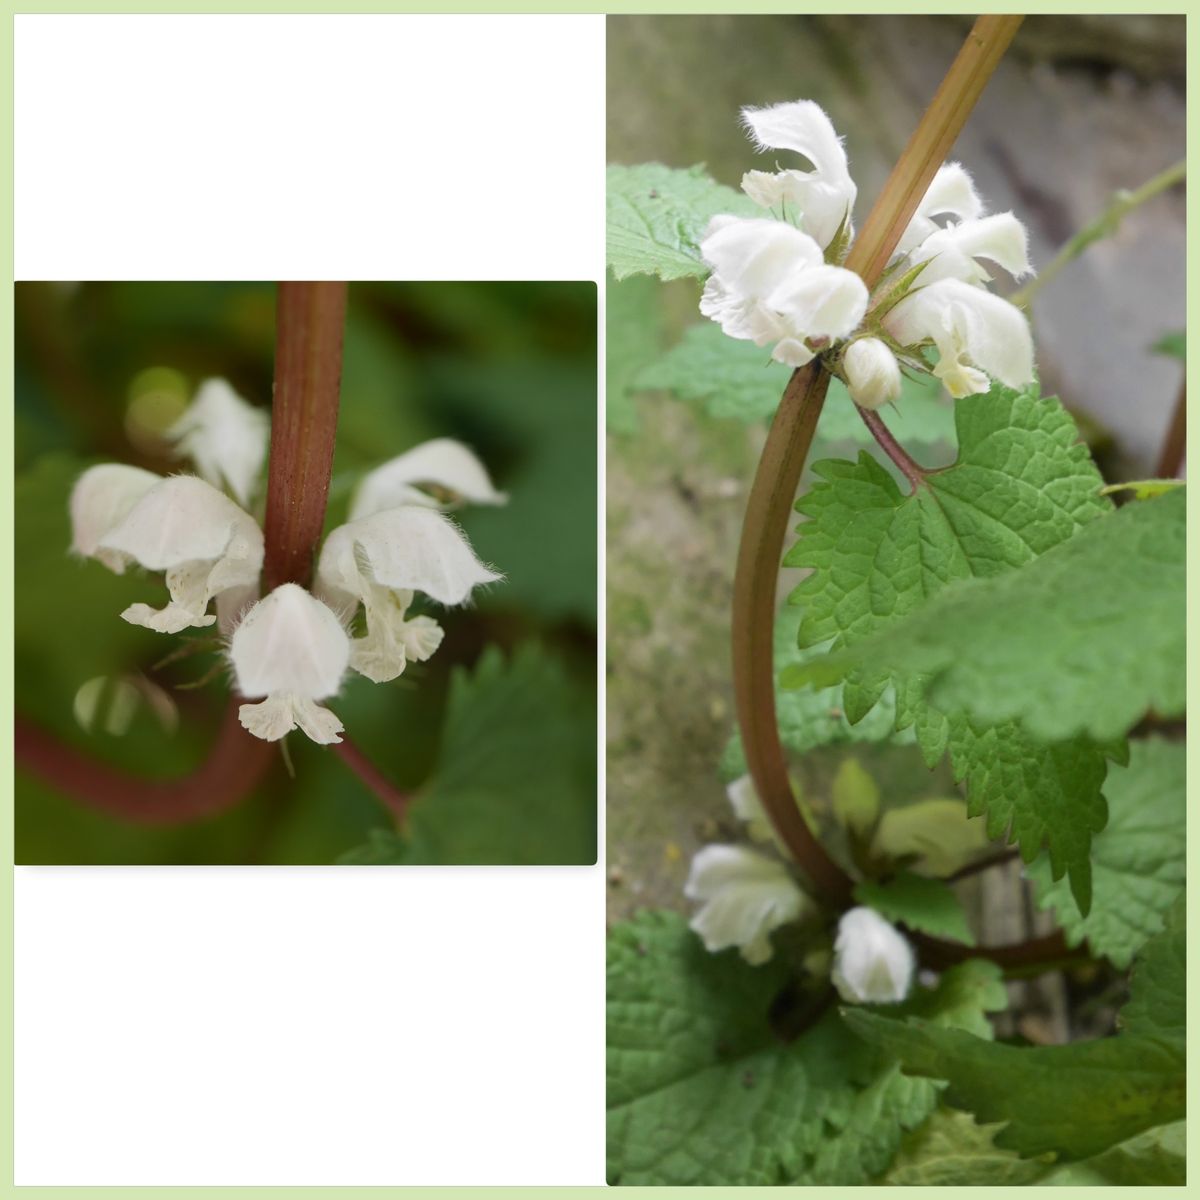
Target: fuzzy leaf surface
[(1021, 485), (738, 380), (1077, 1100), (657, 216), (1138, 859), (1084, 639), (700, 1091)]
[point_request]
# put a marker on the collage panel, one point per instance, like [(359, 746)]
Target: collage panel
[(307, 573), (896, 600)]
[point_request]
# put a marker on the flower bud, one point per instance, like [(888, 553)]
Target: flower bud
[(872, 373), (872, 961)]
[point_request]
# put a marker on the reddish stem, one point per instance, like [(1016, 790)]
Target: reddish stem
[(310, 318), (396, 800), (911, 469), (233, 767)]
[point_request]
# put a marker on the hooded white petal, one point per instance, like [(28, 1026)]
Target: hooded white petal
[(745, 319), (823, 197), (442, 462), (101, 499), (292, 650), (225, 437), (199, 537), (951, 194), (971, 329), (872, 373), (380, 561), (872, 961), (953, 252), (744, 896), (822, 302), (755, 256)]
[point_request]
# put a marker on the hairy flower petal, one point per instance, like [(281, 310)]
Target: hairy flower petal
[(951, 194), (872, 373), (755, 256), (100, 500), (952, 253), (744, 896), (442, 462), (972, 329)]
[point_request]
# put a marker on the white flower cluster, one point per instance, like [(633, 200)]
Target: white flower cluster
[(744, 896), (291, 648), (778, 280)]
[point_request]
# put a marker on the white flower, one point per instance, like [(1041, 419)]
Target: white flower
[(292, 650), (380, 561), (182, 525), (953, 252), (968, 326), (770, 284), (442, 463), (747, 807), (951, 194), (872, 961), (872, 373), (101, 500), (744, 896), (822, 198), (225, 437)]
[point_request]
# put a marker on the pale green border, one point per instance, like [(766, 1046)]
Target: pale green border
[(6, 434)]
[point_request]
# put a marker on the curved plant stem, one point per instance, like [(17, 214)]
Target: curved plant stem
[(912, 470), (233, 767), (778, 475), (1048, 953), (1121, 205), (310, 318), (395, 800), (763, 531)]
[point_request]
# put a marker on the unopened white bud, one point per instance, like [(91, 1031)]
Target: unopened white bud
[(872, 373), (872, 961)]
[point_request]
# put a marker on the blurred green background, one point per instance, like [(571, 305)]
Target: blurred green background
[(508, 368)]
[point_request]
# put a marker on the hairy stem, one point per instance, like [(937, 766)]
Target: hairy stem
[(778, 475), (310, 318), (912, 470), (1121, 205)]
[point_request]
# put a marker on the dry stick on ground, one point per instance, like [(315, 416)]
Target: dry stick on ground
[(308, 364), (778, 475)]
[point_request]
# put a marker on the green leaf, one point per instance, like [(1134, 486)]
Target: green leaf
[(700, 1091), (1172, 344), (657, 216), (811, 718), (951, 1150), (1156, 1158), (1085, 638), (1138, 859), (1021, 485), (925, 905), (633, 324), (515, 780), (1077, 1100), (739, 380), (657, 219)]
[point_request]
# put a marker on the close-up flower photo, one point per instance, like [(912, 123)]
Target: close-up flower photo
[(306, 572), (896, 601)]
